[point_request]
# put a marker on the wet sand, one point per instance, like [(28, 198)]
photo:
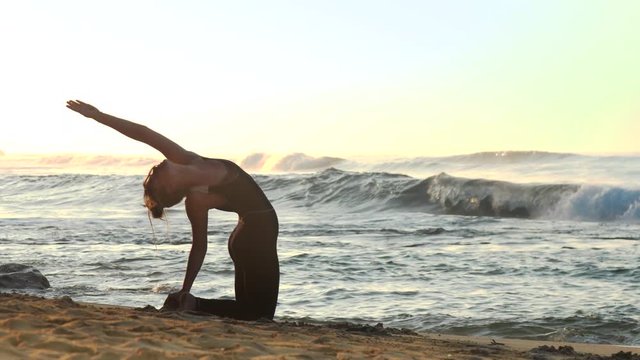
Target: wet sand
[(37, 328)]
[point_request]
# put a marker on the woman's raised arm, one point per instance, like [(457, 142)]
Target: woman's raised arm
[(172, 151)]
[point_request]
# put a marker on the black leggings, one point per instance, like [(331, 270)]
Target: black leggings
[(252, 246)]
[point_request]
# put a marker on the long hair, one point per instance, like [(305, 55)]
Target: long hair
[(153, 194), (156, 194)]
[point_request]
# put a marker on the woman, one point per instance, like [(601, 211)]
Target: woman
[(210, 184)]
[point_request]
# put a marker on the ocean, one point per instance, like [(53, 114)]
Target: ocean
[(530, 245)]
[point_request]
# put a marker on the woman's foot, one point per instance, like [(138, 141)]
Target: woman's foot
[(179, 301), (171, 303), (187, 302)]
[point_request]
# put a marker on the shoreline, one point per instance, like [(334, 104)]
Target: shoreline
[(35, 327)]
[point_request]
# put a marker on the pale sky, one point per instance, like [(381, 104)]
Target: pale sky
[(327, 78)]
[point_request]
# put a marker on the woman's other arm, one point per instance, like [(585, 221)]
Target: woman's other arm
[(172, 151), (197, 205)]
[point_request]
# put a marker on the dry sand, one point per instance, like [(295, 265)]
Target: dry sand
[(37, 328)]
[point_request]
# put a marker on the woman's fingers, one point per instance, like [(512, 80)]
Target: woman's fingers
[(80, 106), (72, 104)]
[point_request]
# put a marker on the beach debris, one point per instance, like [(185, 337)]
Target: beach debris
[(494, 342), (569, 351), (19, 276), (562, 350), (377, 329), (147, 308), (620, 355)]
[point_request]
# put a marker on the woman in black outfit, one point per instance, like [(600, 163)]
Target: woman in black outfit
[(207, 184)]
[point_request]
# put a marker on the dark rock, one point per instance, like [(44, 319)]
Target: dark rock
[(18, 276), (66, 301)]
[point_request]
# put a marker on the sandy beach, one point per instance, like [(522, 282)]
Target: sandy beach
[(37, 328)]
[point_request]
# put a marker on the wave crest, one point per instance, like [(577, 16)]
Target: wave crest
[(443, 193), (511, 156), (481, 197)]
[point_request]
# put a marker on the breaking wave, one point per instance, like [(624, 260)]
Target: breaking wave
[(443, 193)]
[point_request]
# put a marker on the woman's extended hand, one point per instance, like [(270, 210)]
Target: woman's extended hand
[(172, 151), (85, 109)]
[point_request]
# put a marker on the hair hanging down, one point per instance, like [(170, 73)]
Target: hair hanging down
[(152, 193), (156, 194)]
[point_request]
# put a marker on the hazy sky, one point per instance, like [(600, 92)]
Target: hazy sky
[(338, 78)]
